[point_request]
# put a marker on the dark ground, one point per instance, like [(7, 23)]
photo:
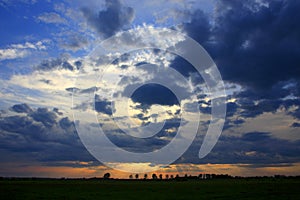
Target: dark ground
[(143, 190)]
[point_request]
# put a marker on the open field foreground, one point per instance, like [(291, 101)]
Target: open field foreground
[(119, 189)]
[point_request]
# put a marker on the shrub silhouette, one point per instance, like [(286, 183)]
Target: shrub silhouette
[(106, 176)]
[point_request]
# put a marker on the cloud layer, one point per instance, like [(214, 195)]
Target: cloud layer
[(113, 18), (255, 45)]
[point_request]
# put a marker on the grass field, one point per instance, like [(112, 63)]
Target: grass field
[(143, 190)]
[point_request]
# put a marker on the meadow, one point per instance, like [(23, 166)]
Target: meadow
[(269, 188)]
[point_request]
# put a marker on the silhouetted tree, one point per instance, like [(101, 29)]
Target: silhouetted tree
[(145, 176), (160, 176), (172, 176), (106, 176), (137, 176), (167, 176), (200, 176), (130, 176), (207, 176), (212, 176), (154, 176)]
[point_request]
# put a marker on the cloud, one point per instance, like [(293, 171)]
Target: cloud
[(51, 18), (110, 20), (103, 106), (65, 123), (17, 124), (198, 27), (183, 66), (250, 42), (296, 113), (21, 108), (149, 144), (75, 42), (8, 54), (256, 44), (48, 118), (15, 51), (134, 144), (256, 136), (150, 94), (41, 136), (251, 148), (40, 45), (295, 125), (56, 63), (231, 109), (250, 109)]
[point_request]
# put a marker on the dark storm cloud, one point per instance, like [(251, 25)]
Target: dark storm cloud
[(134, 144), (21, 108), (78, 64), (250, 148), (123, 58), (142, 107), (198, 27), (150, 94), (67, 65), (251, 110), (252, 103), (41, 135), (19, 124), (183, 66), (48, 118), (103, 106), (110, 20), (256, 136), (265, 143), (38, 123), (124, 66), (141, 117), (295, 125), (255, 45), (232, 122), (56, 63), (296, 113), (238, 121), (231, 108), (65, 123), (138, 145), (277, 91), (56, 110)]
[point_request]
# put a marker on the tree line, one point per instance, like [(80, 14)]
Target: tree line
[(171, 176), (192, 177)]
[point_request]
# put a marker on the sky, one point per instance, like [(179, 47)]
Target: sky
[(90, 87)]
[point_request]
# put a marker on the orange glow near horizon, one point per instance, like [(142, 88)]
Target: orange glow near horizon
[(180, 169)]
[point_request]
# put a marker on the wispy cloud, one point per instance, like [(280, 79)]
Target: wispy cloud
[(51, 18), (15, 51)]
